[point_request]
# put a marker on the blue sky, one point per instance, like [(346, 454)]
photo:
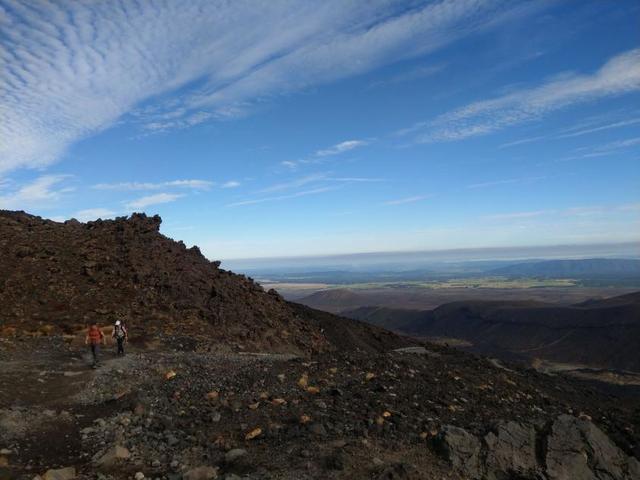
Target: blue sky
[(260, 129)]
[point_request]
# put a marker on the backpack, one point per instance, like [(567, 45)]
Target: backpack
[(119, 331)]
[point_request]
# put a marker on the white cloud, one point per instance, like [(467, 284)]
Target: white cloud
[(93, 214), (73, 69), (297, 182), (303, 193), (319, 156), (316, 178), (230, 184), (516, 215), (505, 182), (619, 75), (289, 164), (43, 192), (599, 128), (190, 184), (402, 201), (159, 198), (604, 150), (315, 183), (341, 148), (574, 132), (604, 211)]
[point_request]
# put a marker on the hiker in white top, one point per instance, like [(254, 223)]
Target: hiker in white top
[(121, 335)]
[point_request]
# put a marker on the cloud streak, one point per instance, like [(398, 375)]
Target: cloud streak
[(314, 183), (89, 214), (189, 184), (619, 75), (149, 200), (73, 69), (43, 192), (303, 193), (402, 201), (341, 148), (320, 155), (508, 181)]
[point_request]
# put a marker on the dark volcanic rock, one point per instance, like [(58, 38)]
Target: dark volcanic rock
[(571, 448), (578, 449), (461, 448), (58, 276), (511, 451)]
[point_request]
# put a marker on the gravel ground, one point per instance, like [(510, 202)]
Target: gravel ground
[(333, 415)]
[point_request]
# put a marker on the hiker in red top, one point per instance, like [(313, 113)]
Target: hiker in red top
[(94, 338)]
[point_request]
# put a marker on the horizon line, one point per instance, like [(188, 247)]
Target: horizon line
[(635, 243)]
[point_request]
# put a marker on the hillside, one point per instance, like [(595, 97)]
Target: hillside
[(592, 267), (55, 277), (334, 300), (602, 333)]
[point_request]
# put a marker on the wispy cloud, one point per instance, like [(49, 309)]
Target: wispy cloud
[(303, 193), (564, 213), (73, 69), (319, 156), (604, 150), (402, 201), (314, 183), (295, 183), (149, 200), (315, 178), (230, 184), (573, 132), (341, 148), (93, 214), (619, 75), (43, 192), (505, 182), (608, 126), (189, 184), (524, 141), (516, 215)]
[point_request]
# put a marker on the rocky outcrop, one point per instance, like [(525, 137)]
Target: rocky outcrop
[(566, 449), (55, 277)]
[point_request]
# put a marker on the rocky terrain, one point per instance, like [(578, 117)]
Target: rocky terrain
[(54, 277), (243, 385)]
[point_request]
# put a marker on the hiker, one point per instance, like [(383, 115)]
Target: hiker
[(94, 338), (121, 335)]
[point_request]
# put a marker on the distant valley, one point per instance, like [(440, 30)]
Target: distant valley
[(599, 333), (577, 315)]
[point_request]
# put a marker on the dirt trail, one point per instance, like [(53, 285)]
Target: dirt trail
[(40, 417)]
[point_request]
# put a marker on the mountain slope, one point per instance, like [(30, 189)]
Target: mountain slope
[(58, 276), (603, 333), (334, 300)]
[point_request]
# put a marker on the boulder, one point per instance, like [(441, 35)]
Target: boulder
[(566, 449), (511, 451), (201, 473), (68, 473), (461, 449), (233, 456), (576, 448), (113, 456)]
